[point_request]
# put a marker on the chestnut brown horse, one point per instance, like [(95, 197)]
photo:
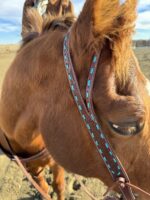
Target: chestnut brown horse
[(36, 101)]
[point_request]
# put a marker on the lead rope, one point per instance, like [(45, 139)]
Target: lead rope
[(138, 189), (123, 183), (112, 188), (85, 188), (29, 177), (27, 174)]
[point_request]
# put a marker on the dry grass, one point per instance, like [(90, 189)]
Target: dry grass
[(144, 60)]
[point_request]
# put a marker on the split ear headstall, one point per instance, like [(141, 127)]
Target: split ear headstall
[(89, 117)]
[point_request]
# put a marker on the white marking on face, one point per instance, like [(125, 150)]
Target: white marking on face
[(148, 86)]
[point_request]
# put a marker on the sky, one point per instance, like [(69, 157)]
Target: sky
[(11, 14)]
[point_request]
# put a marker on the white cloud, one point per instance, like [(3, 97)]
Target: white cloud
[(6, 28), (11, 8), (143, 21), (144, 3)]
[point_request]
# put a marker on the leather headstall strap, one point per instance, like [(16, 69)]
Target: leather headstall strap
[(88, 115), (21, 161)]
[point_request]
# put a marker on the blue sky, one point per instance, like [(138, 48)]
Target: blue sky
[(11, 13)]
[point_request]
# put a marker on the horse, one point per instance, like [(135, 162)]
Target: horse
[(37, 102), (52, 8), (33, 154)]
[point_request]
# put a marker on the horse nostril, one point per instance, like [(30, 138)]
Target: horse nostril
[(127, 129)]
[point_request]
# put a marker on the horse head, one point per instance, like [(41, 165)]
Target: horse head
[(121, 91)]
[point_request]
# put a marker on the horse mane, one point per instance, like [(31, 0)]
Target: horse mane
[(39, 25)]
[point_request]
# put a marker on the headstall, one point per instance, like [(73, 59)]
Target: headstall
[(89, 117)]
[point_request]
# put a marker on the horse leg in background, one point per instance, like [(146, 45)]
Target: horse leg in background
[(59, 181), (36, 170), (38, 176)]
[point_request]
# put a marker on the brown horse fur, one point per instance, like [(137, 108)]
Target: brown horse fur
[(54, 8), (36, 100)]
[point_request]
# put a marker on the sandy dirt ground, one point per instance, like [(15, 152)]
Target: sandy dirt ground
[(13, 184)]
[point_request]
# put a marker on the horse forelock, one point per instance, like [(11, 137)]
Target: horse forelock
[(121, 58), (116, 22)]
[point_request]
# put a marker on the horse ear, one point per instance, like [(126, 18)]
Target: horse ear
[(105, 13), (128, 13), (111, 17), (115, 19), (122, 40)]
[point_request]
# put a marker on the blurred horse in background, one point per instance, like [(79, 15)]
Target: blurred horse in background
[(44, 7)]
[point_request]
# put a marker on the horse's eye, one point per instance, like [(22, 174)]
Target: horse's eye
[(127, 129)]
